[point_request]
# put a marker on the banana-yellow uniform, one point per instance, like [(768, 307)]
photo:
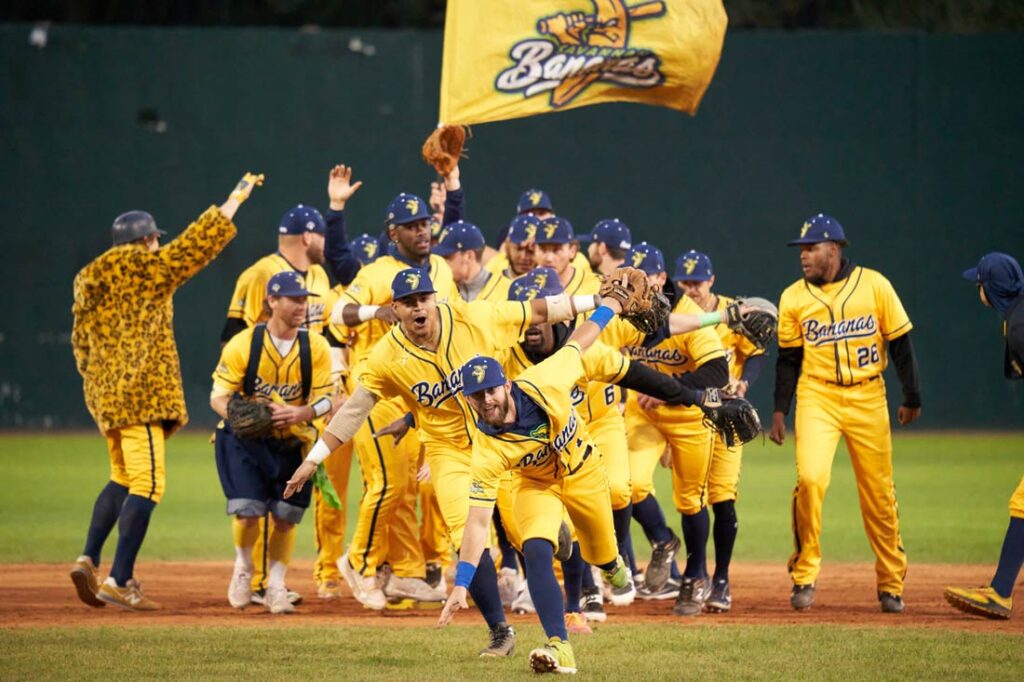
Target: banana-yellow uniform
[(499, 265), (246, 309), (387, 528), (726, 462), (840, 331), (682, 428), (552, 457), (427, 382)]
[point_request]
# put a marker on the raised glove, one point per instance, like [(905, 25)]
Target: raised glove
[(654, 318), (444, 148), (630, 287), (249, 419), (736, 420), (245, 186), (755, 318)]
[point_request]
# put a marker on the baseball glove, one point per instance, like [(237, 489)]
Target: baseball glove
[(759, 323), (444, 148), (736, 420), (248, 418), (630, 287)]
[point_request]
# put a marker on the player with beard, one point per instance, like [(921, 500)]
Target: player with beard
[(610, 241)]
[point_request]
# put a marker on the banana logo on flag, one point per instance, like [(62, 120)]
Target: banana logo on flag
[(585, 48)]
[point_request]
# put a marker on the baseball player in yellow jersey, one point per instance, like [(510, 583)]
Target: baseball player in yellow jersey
[(1000, 283), (529, 426), (462, 245), (610, 241), (329, 522), (418, 363), (557, 249), (290, 368), (305, 242), (518, 250), (694, 276), (700, 359), (838, 326), (123, 343)]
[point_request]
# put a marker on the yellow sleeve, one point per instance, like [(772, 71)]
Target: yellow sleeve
[(892, 318), (502, 323), (558, 373), (323, 380), (603, 363), (236, 308), (369, 287), (255, 293), (790, 334), (373, 375), (703, 345), (498, 264), (486, 471), (234, 358)]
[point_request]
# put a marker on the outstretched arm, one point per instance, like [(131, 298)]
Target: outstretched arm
[(474, 540)]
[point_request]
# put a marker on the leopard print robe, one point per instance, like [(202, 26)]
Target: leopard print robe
[(123, 335)]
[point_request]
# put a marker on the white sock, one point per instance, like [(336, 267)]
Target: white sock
[(275, 577), (243, 559)]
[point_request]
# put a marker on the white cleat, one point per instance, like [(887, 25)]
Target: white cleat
[(239, 591)]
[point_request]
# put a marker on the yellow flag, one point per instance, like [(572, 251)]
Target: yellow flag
[(511, 58)]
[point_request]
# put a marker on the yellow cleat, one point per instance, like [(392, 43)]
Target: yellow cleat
[(619, 576), (129, 597), (980, 601), (576, 624), (554, 657)]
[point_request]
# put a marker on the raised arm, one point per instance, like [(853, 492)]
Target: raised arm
[(340, 188)]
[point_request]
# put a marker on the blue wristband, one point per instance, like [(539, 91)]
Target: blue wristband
[(464, 574), (602, 316)]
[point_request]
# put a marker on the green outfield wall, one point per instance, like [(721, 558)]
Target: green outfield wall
[(914, 142)]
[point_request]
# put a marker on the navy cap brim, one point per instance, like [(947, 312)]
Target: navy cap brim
[(811, 240), (429, 290), (478, 388), (442, 250), (683, 277), (295, 294), (971, 275)]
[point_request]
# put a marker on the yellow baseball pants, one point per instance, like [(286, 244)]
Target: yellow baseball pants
[(329, 523), (137, 459), (1017, 501), (724, 476), (860, 414)]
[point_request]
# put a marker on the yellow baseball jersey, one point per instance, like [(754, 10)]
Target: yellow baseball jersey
[(372, 286), (737, 347), (583, 281), (251, 291), (593, 395), (495, 289), (499, 264), (429, 382), (843, 326), (549, 439), (278, 379), (675, 355)]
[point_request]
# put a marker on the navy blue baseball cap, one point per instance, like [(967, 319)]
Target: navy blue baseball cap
[(366, 248), (406, 208), (302, 219), (534, 199), (820, 228), (537, 283), (459, 236), (612, 232), (646, 257), (693, 266), (411, 281), (288, 283), (523, 228), (480, 374), (555, 230)]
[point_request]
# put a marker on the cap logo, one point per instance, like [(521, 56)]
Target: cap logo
[(826, 235), (549, 230), (413, 280), (803, 230), (689, 264), (275, 288), (310, 225), (370, 249), (535, 198), (531, 232), (444, 233), (638, 258), (541, 280), (479, 371), (413, 205)]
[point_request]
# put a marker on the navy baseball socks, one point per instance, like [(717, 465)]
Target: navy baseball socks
[(544, 589), (131, 529), (724, 531), (650, 517), (573, 571), (484, 590), (696, 528), (105, 513), (1010, 559)]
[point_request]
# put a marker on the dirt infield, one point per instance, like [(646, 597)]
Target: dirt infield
[(191, 594)]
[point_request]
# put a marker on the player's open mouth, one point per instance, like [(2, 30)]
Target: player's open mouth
[(419, 321)]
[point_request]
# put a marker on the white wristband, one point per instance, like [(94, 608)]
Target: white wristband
[(584, 304), (322, 406), (559, 308), (368, 312), (318, 453)]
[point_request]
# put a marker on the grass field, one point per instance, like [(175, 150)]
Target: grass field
[(952, 489)]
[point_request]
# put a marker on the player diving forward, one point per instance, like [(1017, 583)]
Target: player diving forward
[(419, 362), (530, 427)]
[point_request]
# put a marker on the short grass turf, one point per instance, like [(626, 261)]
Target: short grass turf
[(952, 489), (615, 652)]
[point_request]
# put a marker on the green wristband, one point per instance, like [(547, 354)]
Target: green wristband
[(709, 319)]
